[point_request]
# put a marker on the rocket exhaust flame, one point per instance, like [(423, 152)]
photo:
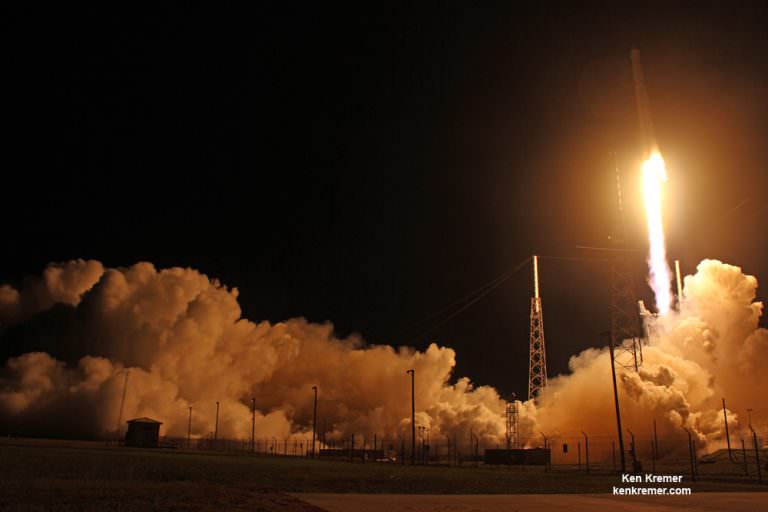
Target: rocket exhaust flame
[(654, 176)]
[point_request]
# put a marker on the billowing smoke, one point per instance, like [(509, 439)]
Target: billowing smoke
[(76, 330), (80, 326), (711, 348)]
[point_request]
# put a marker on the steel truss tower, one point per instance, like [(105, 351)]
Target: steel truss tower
[(513, 431), (626, 323), (537, 357)]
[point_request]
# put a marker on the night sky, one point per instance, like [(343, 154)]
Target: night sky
[(368, 166)]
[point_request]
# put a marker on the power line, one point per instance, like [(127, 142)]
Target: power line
[(572, 258), (468, 300), (478, 294)]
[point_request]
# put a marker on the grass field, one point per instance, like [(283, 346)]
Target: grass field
[(61, 475)]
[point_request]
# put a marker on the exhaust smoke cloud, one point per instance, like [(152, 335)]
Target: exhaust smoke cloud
[(75, 330)]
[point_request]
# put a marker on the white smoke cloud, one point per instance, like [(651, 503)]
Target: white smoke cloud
[(711, 348), (185, 342)]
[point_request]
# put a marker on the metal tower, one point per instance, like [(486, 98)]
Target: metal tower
[(537, 358), (513, 439), (626, 324)]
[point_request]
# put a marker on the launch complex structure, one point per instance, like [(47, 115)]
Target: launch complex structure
[(627, 335)]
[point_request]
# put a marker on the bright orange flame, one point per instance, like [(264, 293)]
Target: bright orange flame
[(654, 176)]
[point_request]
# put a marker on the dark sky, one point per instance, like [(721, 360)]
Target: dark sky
[(368, 166)]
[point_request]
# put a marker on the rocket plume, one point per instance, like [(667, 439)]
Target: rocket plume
[(654, 177)]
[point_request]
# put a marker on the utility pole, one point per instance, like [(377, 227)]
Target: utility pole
[(727, 435), (253, 423), (586, 448), (413, 415), (633, 450), (216, 428), (618, 411), (189, 429), (314, 421), (655, 441)]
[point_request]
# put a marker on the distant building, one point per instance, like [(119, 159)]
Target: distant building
[(143, 432)]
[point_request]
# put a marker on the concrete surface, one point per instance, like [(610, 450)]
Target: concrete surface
[(705, 502)]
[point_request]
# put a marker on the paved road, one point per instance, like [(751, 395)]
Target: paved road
[(704, 502)]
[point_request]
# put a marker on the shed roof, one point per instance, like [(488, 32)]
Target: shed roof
[(144, 419)]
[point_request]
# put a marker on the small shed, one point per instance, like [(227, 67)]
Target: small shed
[(143, 432)]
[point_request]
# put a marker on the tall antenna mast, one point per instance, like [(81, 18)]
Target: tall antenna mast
[(537, 358)]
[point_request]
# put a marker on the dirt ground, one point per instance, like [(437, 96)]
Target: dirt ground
[(89, 476), (127, 496)]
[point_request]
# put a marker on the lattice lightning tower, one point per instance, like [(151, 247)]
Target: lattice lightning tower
[(537, 359), (626, 325), (513, 431)]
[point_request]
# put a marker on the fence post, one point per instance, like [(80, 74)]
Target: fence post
[(578, 449), (744, 456)]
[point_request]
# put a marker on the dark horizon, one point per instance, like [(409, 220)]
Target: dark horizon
[(369, 168)]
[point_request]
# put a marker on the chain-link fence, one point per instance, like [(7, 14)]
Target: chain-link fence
[(675, 455)]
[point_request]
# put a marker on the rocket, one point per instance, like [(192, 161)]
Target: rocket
[(647, 135)]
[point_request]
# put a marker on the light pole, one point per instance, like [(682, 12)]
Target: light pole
[(632, 449), (691, 454), (216, 428), (122, 405), (253, 424), (757, 450), (314, 421), (727, 434), (412, 372), (586, 448)]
